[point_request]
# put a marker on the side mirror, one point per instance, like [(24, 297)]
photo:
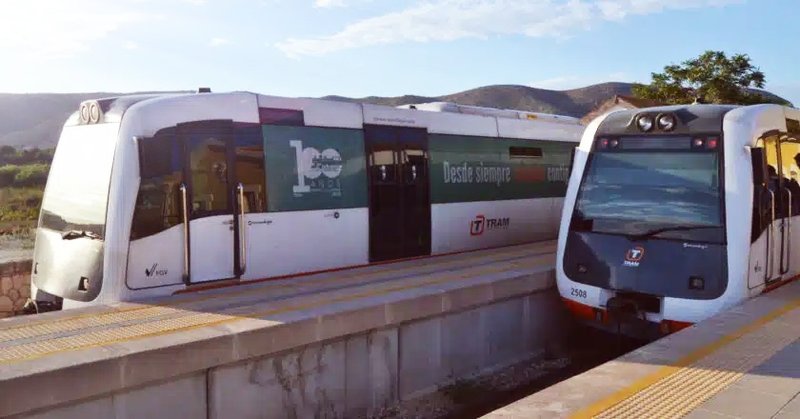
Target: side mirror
[(759, 161)]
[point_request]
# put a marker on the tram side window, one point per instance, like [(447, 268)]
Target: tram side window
[(790, 168), (383, 167), (765, 186), (525, 152), (250, 169), (414, 165), (762, 214), (159, 201)]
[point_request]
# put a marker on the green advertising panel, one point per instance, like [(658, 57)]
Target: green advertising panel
[(466, 169), (312, 168)]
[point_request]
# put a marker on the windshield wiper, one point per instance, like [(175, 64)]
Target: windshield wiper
[(76, 234), (657, 231)]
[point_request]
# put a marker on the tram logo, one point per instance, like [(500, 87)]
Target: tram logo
[(477, 225), (634, 256), (154, 271), (317, 171), (481, 224)]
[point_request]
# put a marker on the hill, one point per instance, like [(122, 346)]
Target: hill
[(35, 120), (575, 102)]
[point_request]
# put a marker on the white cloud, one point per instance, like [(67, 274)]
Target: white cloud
[(131, 45), (329, 3), (43, 30), (448, 20), (619, 9), (218, 42)]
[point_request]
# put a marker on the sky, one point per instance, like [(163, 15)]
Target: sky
[(380, 47)]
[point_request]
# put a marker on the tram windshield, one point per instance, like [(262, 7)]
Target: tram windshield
[(76, 195), (666, 194)]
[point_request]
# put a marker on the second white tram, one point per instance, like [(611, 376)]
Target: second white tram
[(673, 214), (151, 195)]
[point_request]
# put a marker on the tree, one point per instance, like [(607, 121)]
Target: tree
[(712, 77), (7, 150)]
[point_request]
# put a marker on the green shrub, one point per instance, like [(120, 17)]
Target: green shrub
[(10, 155), (7, 175), (20, 204), (31, 175)]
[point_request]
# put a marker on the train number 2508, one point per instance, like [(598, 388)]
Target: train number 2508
[(577, 292)]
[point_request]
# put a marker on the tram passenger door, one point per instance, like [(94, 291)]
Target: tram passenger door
[(210, 200), (399, 196), (778, 243), (789, 149)]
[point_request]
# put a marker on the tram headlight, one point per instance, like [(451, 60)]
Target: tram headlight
[(645, 123), (666, 122), (94, 112), (84, 113)]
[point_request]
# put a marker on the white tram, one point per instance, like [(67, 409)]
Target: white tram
[(673, 214), (151, 195)]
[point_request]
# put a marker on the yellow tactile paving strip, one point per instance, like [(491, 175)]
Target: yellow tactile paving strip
[(186, 301), (183, 320), (676, 390)]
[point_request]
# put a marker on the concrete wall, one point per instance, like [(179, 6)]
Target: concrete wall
[(15, 279), (361, 375), (350, 357), (355, 376)]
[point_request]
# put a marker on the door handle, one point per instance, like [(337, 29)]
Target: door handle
[(787, 235), (242, 229), (771, 266), (185, 234)]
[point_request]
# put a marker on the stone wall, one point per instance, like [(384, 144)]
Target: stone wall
[(15, 288)]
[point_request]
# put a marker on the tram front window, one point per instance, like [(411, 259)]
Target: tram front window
[(668, 195), (75, 199)]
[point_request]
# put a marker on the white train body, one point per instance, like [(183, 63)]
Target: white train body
[(673, 225), (152, 195)]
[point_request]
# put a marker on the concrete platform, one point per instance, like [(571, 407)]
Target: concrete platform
[(744, 363), (337, 344)]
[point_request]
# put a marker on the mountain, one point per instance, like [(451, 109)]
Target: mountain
[(35, 119), (28, 120), (575, 102)]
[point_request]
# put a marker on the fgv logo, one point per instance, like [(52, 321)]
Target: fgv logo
[(154, 271), (481, 224), (634, 256)]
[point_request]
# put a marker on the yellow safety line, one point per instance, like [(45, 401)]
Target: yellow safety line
[(667, 371), (205, 319), (96, 318)]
